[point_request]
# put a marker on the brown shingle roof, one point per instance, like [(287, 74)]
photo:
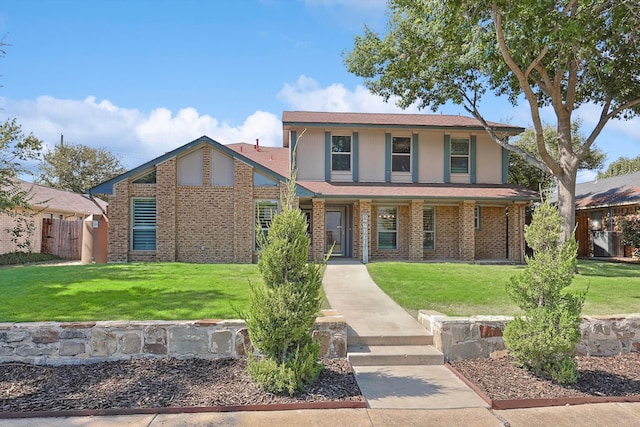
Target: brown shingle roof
[(420, 191), (274, 158), (378, 119), (60, 201)]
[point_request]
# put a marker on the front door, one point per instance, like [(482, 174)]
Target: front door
[(335, 231)]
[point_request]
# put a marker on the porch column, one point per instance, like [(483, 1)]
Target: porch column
[(516, 232), (365, 209), (416, 230), (317, 247), (467, 234)]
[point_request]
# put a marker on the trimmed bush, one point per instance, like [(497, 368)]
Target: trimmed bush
[(543, 341), (282, 314)]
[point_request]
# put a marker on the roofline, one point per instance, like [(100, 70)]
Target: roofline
[(107, 186), (512, 129), (410, 197)]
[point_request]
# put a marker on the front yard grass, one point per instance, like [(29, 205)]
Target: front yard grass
[(458, 289), (136, 291)]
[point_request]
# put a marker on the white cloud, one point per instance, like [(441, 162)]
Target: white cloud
[(307, 94), (135, 136)]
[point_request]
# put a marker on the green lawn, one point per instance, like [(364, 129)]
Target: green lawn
[(139, 291), (464, 289)]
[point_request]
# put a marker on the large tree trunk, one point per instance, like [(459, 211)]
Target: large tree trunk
[(568, 163), (567, 203)]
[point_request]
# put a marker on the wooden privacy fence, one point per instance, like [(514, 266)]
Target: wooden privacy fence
[(62, 238)]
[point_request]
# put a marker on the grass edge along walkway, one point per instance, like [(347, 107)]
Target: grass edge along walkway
[(460, 289)]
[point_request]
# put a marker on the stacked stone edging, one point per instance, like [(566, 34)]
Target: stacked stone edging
[(481, 336), (54, 343)]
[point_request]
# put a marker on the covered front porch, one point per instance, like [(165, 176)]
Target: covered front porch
[(416, 229)]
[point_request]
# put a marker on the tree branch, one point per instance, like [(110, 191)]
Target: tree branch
[(551, 165)]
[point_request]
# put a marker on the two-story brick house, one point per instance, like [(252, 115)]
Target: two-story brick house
[(373, 186)]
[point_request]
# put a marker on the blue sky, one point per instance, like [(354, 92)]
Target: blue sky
[(142, 77)]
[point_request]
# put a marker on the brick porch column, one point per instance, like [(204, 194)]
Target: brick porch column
[(467, 232), (166, 173), (516, 232), (416, 230), (317, 247)]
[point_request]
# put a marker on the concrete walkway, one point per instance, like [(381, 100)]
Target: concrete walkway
[(369, 312)]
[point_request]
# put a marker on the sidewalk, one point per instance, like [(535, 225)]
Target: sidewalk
[(601, 414)]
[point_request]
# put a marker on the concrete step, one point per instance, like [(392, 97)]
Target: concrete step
[(363, 355), (395, 340)]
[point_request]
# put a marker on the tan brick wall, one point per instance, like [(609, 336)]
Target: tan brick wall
[(8, 223), (491, 238), (467, 231), (166, 183), (119, 223), (242, 216), (203, 231), (447, 226)]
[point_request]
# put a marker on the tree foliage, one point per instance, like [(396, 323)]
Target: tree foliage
[(16, 149), (544, 339), (527, 175), (553, 53), (630, 232), (283, 310), (77, 167), (621, 166)]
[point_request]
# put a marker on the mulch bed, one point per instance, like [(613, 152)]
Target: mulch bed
[(159, 383), (611, 378)]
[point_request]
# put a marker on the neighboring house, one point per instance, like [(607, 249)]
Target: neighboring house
[(373, 187), (51, 207), (598, 204)]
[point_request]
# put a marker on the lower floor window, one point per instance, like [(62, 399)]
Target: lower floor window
[(265, 211), (387, 228), (429, 228), (143, 224)]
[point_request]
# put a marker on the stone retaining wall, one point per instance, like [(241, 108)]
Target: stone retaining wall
[(481, 336), (87, 342)]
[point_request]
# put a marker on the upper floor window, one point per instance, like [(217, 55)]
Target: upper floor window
[(401, 154), (340, 153), (148, 178), (459, 155), (428, 227), (388, 227), (143, 224)]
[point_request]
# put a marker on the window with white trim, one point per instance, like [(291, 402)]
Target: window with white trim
[(459, 155), (387, 227), (143, 224), (476, 217), (429, 228), (401, 154), (341, 153), (265, 210)]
